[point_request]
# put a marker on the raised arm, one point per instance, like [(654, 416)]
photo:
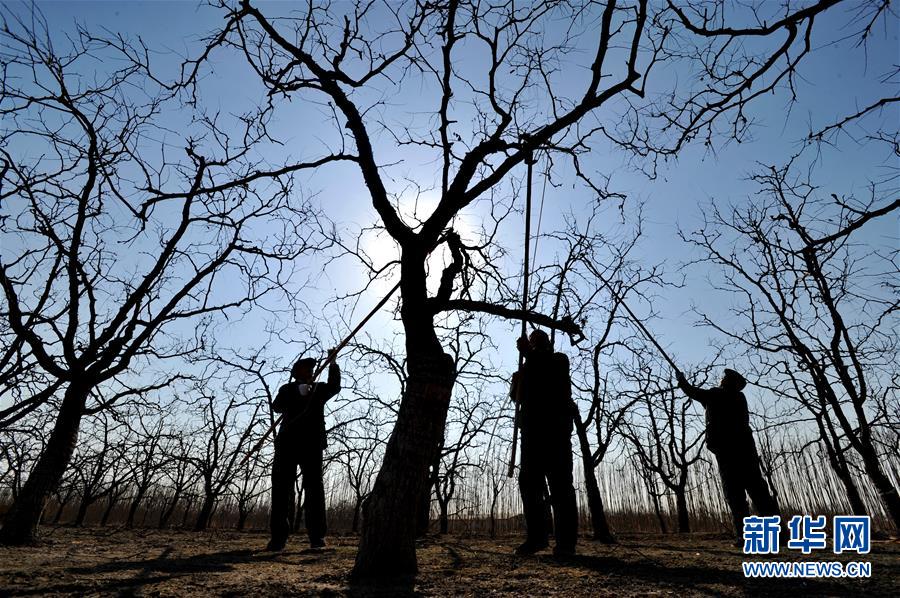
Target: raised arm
[(333, 385), (701, 395)]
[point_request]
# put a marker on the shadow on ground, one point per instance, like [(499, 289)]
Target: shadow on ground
[(79, 562)]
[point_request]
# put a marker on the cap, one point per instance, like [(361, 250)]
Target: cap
[(310, 361)]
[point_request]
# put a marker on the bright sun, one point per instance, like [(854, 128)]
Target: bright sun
[(414, 209)]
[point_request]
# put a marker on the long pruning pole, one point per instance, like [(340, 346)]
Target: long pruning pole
[(325, 363), (331, 356), (637, 322), (515, 440)]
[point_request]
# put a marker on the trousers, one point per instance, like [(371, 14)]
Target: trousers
[(284, 475), (547, 462), (741, 476)]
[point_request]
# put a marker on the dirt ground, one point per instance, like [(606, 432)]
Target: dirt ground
[(89, 562)]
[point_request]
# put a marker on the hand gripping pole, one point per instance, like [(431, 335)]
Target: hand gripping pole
[(325, 363)]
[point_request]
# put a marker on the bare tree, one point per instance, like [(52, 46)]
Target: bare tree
[(181, 475), (664, 439), (471, 413), (248, 487), (493, 466), (467, 423), (118, 476), (598, 266), (98, 456), (652, 487), (146, 457), (812, 315), (360, 448), (795, 388), (353, 55), (65, 492), (229, 423), (20, 448), (110, 238)]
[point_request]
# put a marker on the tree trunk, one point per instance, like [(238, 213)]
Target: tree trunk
[(22, 520), (857, 506), (493, 528), (168, 510), (113, 499), (861, 440), (842, 470), (839, 464), (654, 497), (356, 509), (187, 512), (387, 544), (595, 500), (663, 528), (243, 513), (882, 483), (59, 510), (387, 547), (135, 504), (205, 513), (444, 517), (684, 523), (86, 502)]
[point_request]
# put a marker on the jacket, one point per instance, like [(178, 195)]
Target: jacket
[(303, 423), (727, 418), (545, 399)]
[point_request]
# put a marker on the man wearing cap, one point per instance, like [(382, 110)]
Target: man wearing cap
[(301, 441), (729, 437), (543, 392)]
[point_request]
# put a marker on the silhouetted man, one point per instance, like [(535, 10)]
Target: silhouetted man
[(546, 414), (729, 437), (301, 441)]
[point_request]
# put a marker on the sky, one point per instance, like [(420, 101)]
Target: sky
[(837, 79)]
